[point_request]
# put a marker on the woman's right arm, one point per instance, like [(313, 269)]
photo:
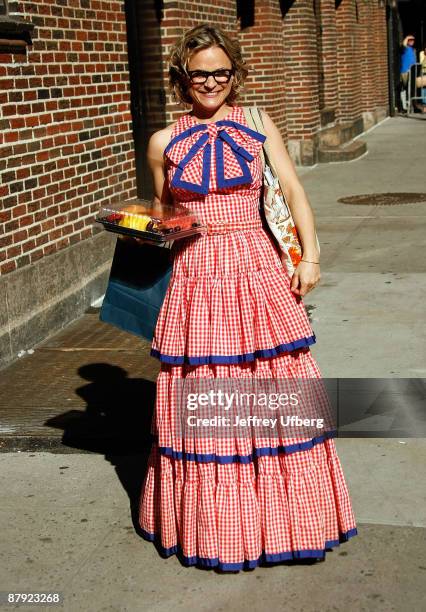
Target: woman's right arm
[(155, 157)]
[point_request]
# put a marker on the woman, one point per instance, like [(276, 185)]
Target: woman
[(232, 314)]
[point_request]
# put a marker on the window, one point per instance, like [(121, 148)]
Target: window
[(14, 31), (3, 7)]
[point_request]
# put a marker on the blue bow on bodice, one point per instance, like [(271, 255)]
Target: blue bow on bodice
[(242, 141)]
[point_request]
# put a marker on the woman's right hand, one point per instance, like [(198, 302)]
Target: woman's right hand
[(139, 240), (132, 238)]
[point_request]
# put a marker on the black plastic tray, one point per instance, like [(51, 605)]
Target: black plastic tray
[(152, 236)]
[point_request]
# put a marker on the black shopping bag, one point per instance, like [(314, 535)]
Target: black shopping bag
[(140, 275)]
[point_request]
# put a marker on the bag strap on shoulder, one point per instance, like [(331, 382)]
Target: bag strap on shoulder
[(254, 120)]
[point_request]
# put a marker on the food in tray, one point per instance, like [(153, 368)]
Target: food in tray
[(175, 224), (135, 222), (157, 219), (138, 222)]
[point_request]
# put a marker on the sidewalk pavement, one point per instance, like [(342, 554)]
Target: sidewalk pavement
[(75, 441)]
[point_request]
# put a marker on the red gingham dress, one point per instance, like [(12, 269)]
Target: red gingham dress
[(229, 313)]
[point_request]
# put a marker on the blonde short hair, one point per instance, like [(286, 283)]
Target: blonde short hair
[(202, 37)]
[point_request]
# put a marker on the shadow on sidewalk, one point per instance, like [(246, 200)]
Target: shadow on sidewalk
[(115, 423)]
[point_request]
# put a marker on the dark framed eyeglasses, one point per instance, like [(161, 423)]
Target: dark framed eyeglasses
[(198, 77)]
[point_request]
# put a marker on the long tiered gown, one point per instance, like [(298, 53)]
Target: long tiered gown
[(229, 314)]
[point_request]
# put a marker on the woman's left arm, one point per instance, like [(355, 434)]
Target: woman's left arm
[(306, 275)]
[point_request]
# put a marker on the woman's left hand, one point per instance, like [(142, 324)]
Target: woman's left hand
[(305, 278)]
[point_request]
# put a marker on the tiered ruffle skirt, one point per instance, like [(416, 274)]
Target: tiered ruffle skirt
[(235, 502)]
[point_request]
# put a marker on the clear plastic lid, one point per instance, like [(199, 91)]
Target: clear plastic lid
[(149, 220)]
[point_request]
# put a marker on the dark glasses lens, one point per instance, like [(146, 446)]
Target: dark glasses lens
[(200, 76)]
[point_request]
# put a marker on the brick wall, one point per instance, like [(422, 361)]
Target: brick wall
[(367, 50), (348, 60), (302, 79), (264, 50), (381, 55), (66, 144), (328, 86)]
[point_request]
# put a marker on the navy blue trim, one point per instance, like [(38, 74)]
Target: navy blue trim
[(240, 151), (229, 359), (243, 179), (244, 128), (183, 135), (266, 451), (204, 187), (318, 553)]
